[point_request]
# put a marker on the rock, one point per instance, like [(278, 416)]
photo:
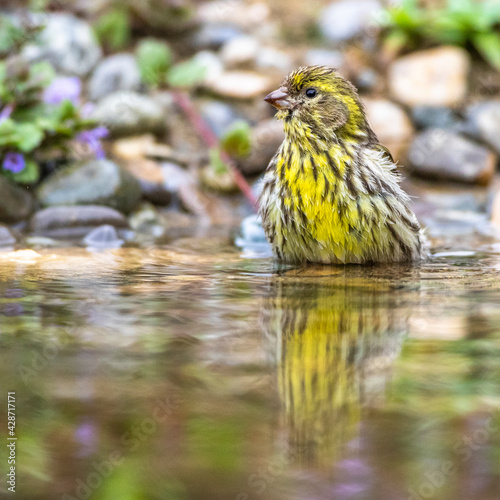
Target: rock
[(98, 182), (16, 203), (269, 58), (103, 237), (223, 182), (435, 77), (347, 19), (74, 222), (6, 237), (267, 137), (391, 124), (240, 84), (37, 242), (367, 80), (181, 184), (151, 179), (188, 196), (252, 238), (495, 210), (238, 14), (434, 117), (117, 72), (324, 57), (147, 223), (160, 16), (68, 43), (214, 36), (219, 115), (211, 63), (241, 51), (446, 155), (129, 113), (483, 121)]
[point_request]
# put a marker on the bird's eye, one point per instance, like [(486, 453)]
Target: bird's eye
[(311, 92)]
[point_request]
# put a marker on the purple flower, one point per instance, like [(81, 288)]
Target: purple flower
[(6, 112), (14, 162), (92, 139), (63, 88), (87, 109)]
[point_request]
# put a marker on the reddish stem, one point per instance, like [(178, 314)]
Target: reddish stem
[(212, 141)]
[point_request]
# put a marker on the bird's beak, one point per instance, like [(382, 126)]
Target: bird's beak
[(280, 99)]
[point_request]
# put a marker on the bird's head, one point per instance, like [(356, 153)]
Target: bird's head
[(318, 98)]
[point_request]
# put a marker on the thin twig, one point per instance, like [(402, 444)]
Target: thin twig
[(211, 140)]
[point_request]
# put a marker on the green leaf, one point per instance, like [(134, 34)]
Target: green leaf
[(488, 45), (216, 161), (66, 111), (187, 74), (113, 29), (42, 73), (29, 136), (396, 40), (237, 140), (10, 35), (29, 175), (154, 58)]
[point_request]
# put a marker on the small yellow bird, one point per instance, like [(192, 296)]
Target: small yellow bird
[(331, 193)]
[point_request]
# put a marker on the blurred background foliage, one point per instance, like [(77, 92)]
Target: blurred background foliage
[(464, 23)]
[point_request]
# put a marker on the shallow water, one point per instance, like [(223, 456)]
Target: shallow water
[(189, 372)]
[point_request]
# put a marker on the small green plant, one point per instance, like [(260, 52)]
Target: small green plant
[(40, 115), (113, 29), (154, 58), (466, 23), (236, 141)]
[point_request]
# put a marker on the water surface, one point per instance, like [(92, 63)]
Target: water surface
[(189, 372)]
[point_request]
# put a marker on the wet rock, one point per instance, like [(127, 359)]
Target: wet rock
[(267, 137), (74, 222), (240, 84), (251, 229), (151, 179), (6, 237), (129, 113), (68, 43), (117, 72), (147, 223), (103, 237), (252, 238), (37, 242), (16, 203), (391, 124), (241, 51), (219, 115), (98, 182), (347, 19), (324, 57), (435, 77), (214, 36), (483, 122), (434, 117), (446, 155)]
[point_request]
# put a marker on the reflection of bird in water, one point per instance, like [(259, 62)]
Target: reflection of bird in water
[(333, 341)]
